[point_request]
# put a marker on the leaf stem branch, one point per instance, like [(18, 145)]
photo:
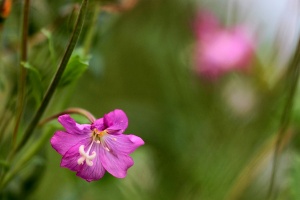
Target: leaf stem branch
[(51, 89)]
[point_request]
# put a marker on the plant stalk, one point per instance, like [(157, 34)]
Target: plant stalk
[(56, 78)]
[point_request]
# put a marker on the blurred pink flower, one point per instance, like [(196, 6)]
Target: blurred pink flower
[(220, 50)]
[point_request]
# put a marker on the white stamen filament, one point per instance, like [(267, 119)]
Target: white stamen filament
[(85, 155)]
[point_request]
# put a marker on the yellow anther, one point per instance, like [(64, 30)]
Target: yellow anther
[(100, 133)]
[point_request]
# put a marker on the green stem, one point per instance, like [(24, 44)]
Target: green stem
[(6, 114), (292, 78), (4, 127), (23, 71), (56, 79)]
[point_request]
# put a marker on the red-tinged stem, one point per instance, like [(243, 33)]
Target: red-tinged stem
[(23, 71), (79, 111)]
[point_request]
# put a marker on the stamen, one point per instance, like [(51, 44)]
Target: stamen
[(114, 139), (102, 133)]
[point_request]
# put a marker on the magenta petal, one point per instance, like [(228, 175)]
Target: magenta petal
[(136, 140), (115, 164), (95, 172), (124, 144), (116, 121), (70, 158), (98, 124), (63, 141), (72, 127)]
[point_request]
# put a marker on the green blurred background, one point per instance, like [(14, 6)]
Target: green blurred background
[(203, 140)]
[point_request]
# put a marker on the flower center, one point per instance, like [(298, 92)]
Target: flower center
[(98, 138), (101, 133), (85, 156), (97, 135)]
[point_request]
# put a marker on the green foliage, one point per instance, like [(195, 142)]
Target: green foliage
[(77, 65), (50, 44), (35, 82)]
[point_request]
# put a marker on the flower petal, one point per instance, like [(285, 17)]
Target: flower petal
[(70, 158), (124, 144), (115, 164), (136, 140), (72, 127), (63, 141), (116, 121), (94, 172), (99, 124)]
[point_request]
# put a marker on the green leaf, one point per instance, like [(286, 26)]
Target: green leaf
[(50, 44), (77, 64), (35, 82)]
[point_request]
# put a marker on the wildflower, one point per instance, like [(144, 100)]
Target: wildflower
[(220, 50), (92, 149)]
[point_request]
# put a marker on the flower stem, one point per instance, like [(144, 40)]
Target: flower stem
[(80, 111), (292, 82), (23, 71), (57, 77)]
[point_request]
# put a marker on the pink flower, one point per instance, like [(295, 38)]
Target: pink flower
[(220, 50), (92, 149)]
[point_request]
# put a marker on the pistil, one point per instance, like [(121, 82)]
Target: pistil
[(85, 156)]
